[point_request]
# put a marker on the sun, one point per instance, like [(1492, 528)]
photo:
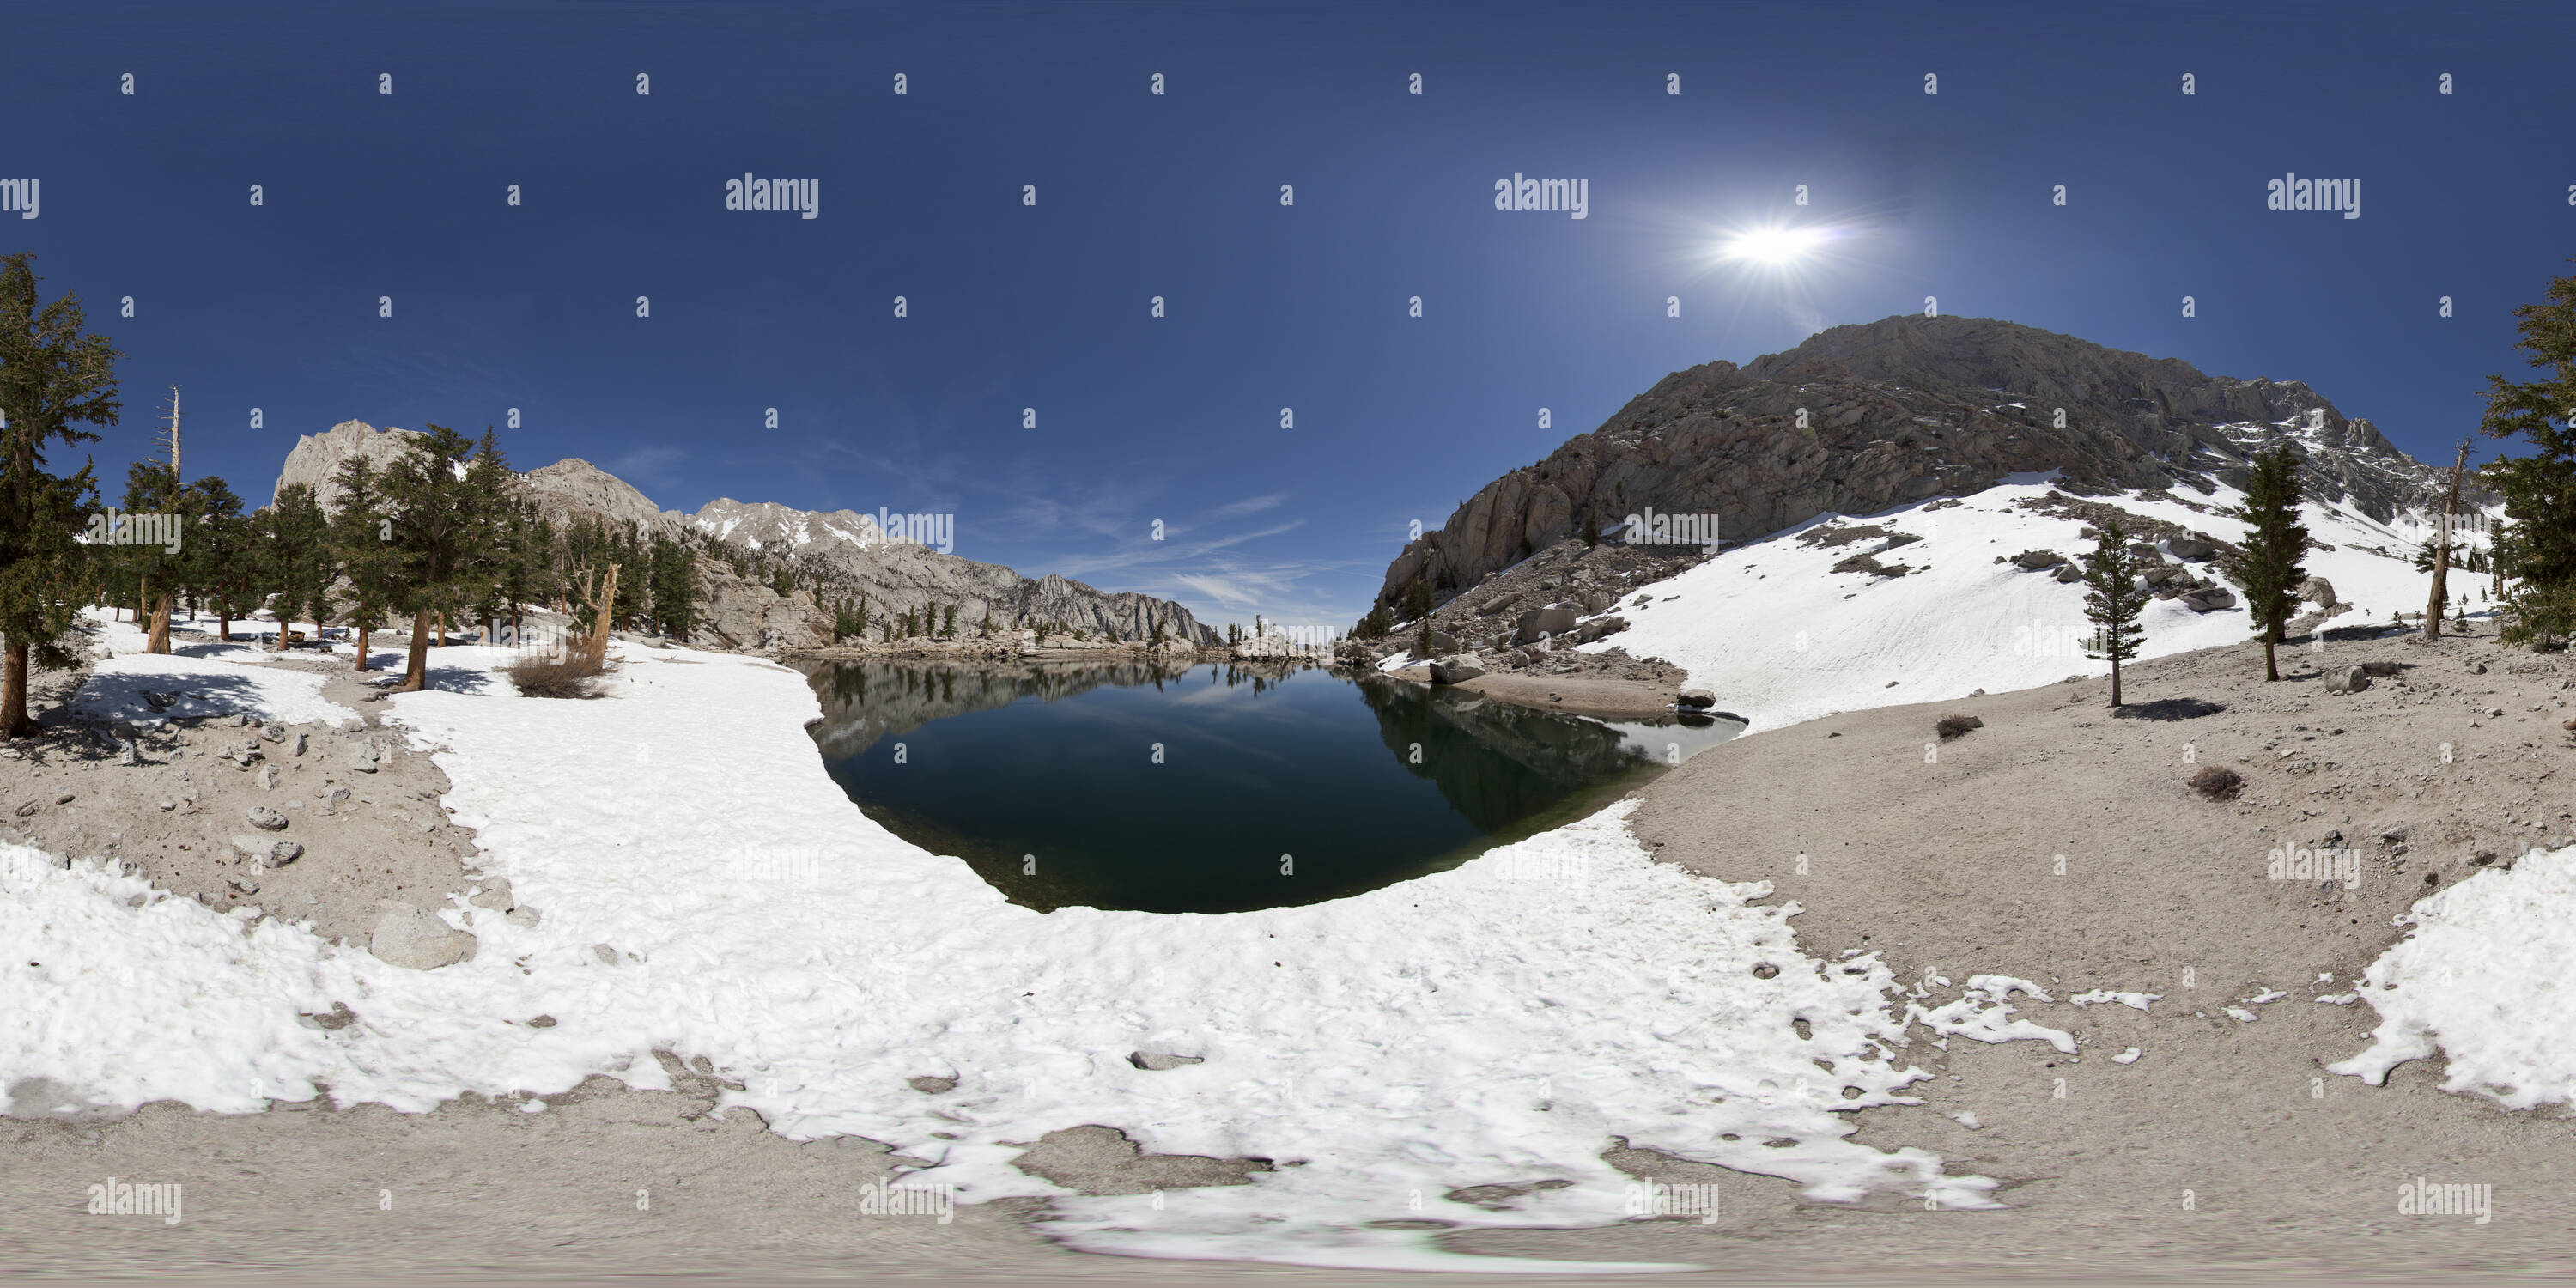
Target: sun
[(1777, 245)]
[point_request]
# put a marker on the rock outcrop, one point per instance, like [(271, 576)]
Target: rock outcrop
[(1859, 419), (316, 457)]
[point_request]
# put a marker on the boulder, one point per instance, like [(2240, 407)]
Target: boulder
[(1600, 628), (1700, 699), (1158, 1061), (1457, 668), (2209, 599), (2163, 575), (1443, 642), (2069, 573), (281, 853), (2317, 591), (2351, 679), (1555, 619), (2034, 560), (417, 940), (2381, 668), (2192, 548)]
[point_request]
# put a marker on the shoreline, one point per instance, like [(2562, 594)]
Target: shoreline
[(1571, 695)]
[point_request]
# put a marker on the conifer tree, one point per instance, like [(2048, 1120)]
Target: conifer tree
[(361, 536), (54, 377), (156, 570), (296, 559), (441, 520), (2539, 490), (2268, 570), (224, 554), (2116, 599)]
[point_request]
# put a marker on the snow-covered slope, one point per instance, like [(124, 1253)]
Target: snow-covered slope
[(1781, 638), (1489, 1024)]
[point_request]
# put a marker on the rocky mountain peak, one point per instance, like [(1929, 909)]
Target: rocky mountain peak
[(1865, 417)]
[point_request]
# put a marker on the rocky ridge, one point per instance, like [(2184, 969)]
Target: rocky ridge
[(1862, 418), (840, 553)]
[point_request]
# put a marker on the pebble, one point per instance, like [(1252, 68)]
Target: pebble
[(265, 819)]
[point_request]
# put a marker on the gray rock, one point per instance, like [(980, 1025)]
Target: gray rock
[(523, 916), (362, 765), (1457, 668), (495, 895), (1443, 642), (2351, 679), (418, 940), (272, 733), (2383, 668), (1555, 619), (2192, 548), (2069, 573), (265, 819), (282, 853), (2477, 668), (1695, 698), (603, 954), (243, 885), (2209, 599), (2317, 591), (2163, 575), (267, 778), (2034, 560), (1158, 1061), (299, 742)]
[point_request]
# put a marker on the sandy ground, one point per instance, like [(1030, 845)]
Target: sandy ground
[(1950, 860)]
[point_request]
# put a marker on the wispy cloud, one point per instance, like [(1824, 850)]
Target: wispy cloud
[(1248, 505)]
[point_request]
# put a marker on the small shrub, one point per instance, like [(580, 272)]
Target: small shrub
[(1950, 727), (569, 673), (2218, 782)]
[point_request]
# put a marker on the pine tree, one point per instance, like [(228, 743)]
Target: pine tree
[(224, 557), (361, 536), (2269, 570), (155, 570), (296, 559), (442, 521), (948, 623), (2539, 490), (54, 377), (2117, 598)]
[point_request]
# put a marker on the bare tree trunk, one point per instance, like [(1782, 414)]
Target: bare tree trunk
[(2271, 665), (362, 650), (442, 630), (2442, 550), (416, 669), (224, 620), (14, 721), (2115, 682), (158, 640)]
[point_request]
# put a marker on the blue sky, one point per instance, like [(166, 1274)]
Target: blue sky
[(1012, 307)]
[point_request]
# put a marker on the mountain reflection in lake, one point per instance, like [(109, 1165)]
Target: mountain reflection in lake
[(1211, 788)]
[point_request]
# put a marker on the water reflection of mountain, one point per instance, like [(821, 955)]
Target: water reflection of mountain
[(866, 701), (1495, 763)]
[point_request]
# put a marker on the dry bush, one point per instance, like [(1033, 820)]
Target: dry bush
[(564, 673), (2218, 782), (1950, 727)]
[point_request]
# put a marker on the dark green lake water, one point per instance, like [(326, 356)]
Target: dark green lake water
[(1212, 788)]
